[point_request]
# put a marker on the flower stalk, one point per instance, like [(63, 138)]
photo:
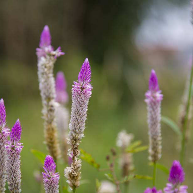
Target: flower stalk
[(46, 59), (81, 93)]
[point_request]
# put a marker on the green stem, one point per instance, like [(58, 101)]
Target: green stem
[(127, 187), (74, 190), (154, 173), (184, 126)]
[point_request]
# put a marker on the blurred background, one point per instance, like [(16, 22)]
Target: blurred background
[(123, 40)]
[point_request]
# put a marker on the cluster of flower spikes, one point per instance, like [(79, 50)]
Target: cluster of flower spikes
[(81, 93), (153, 100), (50, 177), (46, 59), (176, 178), (4, 133), (13, 150)]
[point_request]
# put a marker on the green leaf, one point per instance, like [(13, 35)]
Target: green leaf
[(128, 178), (143, 177), (39, 155), (138, 149), (98, 185), (133, 145), (109, 177), (161, 167), (172, 125), (88, 158)]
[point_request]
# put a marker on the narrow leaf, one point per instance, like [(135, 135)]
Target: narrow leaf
[(161, 167), (143, 177), (133, 145), (138, 149), (98, 185), (109, 177), (172, 125), (88, 158), (39, 155)]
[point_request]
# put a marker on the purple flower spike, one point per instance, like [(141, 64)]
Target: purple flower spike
[(153, 82), (45, 39), (61, 94), (2, 113), (50, 178), (15, 134), (176, 173), (152, 190), (85, 72)]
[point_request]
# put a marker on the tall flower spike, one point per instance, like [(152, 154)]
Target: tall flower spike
[(46, 59), (61, 94), (176, 177), (13, 149), (50, 177), (4, 133), (152, 190), (81, 93), (153, 100)]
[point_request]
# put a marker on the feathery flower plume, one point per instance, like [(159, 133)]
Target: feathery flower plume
[(176, 178), (13, 149), (126, 161), (50, 177), (4, 133), (152, 190), (81, 93), (46, 59), (107, 187), (153, 100), (62, 113)]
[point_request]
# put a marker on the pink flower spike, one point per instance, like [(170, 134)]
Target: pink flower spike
[(153, 82), (45, 39), (85, 72)]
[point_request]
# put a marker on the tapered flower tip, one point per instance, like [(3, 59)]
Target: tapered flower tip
[(152, 190), (15, 134), (45, 39), (153, 82), (176, 173), (2, 113), (60, 81), (85, 72), (49, 165)]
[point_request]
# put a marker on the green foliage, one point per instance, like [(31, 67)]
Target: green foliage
[(135, 147), (161, 167), (135, 176), (138, 149), (88, 158), (109, 177), (169, 122), (39, 155), (98, 185)]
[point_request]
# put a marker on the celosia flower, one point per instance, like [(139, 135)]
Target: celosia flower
[(46, 59), (126, 160), (50, 177), (153, 100), (107, 187), (81, 93), (4, 133), (176, 178), (61, 94), (152, 190), (13, 149)]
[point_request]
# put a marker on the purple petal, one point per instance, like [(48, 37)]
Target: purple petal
[(153, 82), (176, 173), (15, 134), (49, 164), (2, 113), (85, 72), (45, 39)]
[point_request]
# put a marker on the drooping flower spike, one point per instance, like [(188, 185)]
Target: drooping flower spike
[(50, 177), (4, 133), (152, 190), (153, 100), (46, 59), (81, 93), (14, 148), (176, 178)]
